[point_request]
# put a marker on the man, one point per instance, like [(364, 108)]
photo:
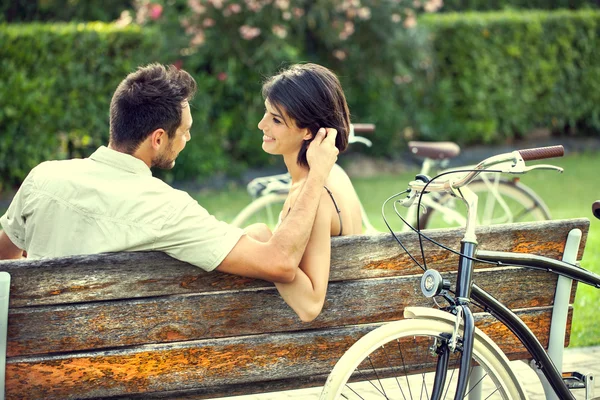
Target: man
[(110, 202)]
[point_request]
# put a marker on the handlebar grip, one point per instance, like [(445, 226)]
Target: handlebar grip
[(540, 153), (362, 128), (596, 209)]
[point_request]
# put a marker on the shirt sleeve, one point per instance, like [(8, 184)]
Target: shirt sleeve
[(194, 236), (14, 220)]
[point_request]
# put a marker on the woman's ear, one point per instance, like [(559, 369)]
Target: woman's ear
[(308, 135)]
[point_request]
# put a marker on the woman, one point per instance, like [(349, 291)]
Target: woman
[(298, 102)]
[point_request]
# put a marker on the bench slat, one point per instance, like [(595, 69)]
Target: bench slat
[(51, 329), (189, 365), (144, 274)]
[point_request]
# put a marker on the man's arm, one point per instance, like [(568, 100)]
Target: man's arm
[(277, 260), (8, 250)]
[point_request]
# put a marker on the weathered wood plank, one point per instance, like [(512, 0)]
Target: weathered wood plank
[(135, 275), (194, 365), (98, 325)]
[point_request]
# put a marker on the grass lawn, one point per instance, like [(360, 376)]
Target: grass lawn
[(568, 195)]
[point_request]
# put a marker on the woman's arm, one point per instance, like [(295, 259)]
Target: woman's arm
[(306, 293)]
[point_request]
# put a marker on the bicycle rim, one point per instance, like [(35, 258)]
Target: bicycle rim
[(397, 361), (264, 209), (498, 203)]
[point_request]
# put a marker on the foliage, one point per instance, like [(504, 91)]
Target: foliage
[(472, 78), (495, 5), (230, 46), (500, 75), (55, 104), (62, 10)]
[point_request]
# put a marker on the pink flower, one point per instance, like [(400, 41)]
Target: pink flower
[(198, 39), (222, 76), (340, 54), (410, 21), (364, 13), (298, 12), (249, 32), (178, 64), (196, 7), (155, 11), (279, 31), (208, 22)]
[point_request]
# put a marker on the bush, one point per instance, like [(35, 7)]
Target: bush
[(472, 78), (496, 5), (55, 103), (62, 10), (499, 75), (231, 46)]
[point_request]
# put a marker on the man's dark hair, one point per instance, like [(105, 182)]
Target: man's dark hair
[(312, 95), (148, 99)]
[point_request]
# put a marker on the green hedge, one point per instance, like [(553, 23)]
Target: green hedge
[(496, 5), (62, 10), (502, 74), (472, 78), (58, 83)]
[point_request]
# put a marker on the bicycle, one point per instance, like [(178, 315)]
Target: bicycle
[(269, 192), (452, 355), (505, 200)]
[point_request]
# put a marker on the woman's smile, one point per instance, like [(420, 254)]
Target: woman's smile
[(267, 138)]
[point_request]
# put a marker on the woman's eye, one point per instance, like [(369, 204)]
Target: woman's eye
[(277, 121)]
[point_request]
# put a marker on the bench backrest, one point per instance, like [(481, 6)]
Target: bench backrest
[(145, 325)]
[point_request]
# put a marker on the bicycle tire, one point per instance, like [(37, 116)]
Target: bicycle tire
[(264, 209), (499, 381), (521, 204)]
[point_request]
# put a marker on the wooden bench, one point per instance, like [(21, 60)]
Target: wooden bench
[(143, 325)]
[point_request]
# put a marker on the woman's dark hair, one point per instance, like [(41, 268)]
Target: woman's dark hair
[(148, 99), (313, 97)]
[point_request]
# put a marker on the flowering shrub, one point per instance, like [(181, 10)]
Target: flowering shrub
[(230, 46)]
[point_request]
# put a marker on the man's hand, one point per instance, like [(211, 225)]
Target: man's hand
[(322, 153)]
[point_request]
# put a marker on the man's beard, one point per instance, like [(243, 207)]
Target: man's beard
[(165, 160)]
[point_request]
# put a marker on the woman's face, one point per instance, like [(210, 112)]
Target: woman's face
[(280, 133)]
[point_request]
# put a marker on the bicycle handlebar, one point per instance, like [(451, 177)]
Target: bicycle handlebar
[(364, 128), (596, 209), (539, 153), (352, 138), (513, 163)]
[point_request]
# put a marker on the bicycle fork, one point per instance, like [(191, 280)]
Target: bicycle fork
[(464, 316)]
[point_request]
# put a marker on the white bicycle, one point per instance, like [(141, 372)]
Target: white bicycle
[(502, 200)]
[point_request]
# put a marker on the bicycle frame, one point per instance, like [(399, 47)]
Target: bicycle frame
[(465, 290)]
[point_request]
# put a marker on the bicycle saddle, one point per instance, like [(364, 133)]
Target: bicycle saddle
[(434, 150), (269, 184)]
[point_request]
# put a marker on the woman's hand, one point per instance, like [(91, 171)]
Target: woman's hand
[(322, 153)]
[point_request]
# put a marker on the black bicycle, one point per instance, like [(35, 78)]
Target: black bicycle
[(456, 357)]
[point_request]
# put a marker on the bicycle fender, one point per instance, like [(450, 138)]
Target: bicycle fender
[(439, 315)]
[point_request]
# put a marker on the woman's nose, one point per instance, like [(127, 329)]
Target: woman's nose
[(261, 123)]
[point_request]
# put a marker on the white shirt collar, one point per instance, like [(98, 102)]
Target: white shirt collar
[(121, 160)]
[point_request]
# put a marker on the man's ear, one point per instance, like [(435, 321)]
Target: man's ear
[(158, 138)]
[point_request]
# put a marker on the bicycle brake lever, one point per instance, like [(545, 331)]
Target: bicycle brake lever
[(543, 166)]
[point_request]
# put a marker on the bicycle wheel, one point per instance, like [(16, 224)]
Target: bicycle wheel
[(264, 209), (500, 201), (398, 361)]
